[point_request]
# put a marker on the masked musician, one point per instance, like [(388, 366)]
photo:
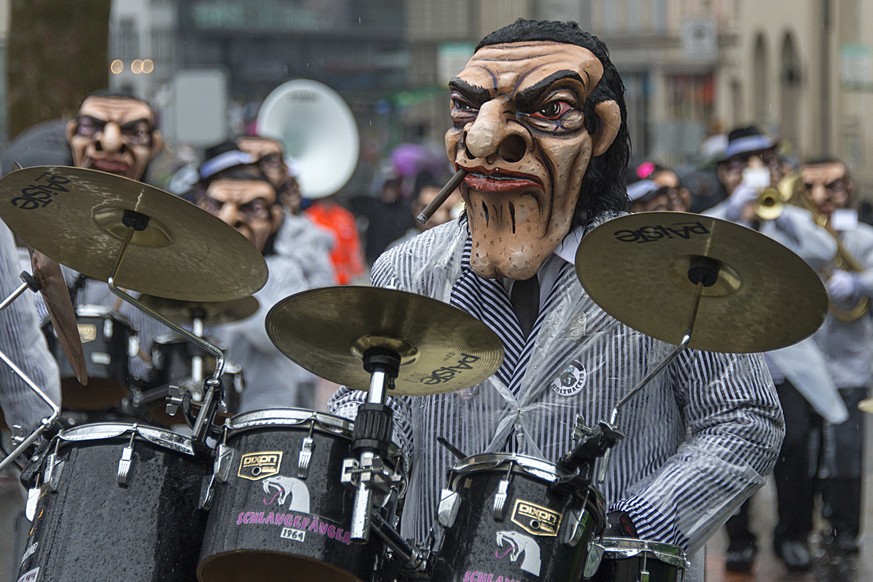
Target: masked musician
[(669, 193), (845, 338), (748, 165), (116, 133), (298, 236), (24, 344), (539, 122), (234, 188)]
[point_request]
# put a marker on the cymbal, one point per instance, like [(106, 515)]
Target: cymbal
[(636, 268), (53, 288), (75, 216), (211, 313), (441, 348)]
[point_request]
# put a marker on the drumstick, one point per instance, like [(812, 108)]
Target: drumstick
[(453, 183)]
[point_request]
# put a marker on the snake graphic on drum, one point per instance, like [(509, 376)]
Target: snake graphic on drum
[(506, 515), (117, 501), (280, 510), (108, 341)]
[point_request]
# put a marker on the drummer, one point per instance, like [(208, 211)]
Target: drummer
[(539, 122), (234, 188)]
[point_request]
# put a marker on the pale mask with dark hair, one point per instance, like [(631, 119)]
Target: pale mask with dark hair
[(519, 130)]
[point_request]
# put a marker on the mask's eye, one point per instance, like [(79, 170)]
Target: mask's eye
[(461, 105), (552, 110)]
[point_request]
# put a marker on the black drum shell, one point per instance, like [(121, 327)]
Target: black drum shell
[(469, 545), (93, 529), (107, 359), (624, 559), (234, 548)]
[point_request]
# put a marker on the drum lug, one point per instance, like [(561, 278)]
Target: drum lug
[(125, 462), (574, 526), (223, 462), (207, 493), (592, 562), (498, 510), (53, 469), (450, 501), (304, 457)]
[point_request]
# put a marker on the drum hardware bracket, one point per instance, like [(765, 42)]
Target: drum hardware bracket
[(416, 559), (223, 462), (305, 456), (592, 561), (574, 526), (498, 510), (126, 461), (447, 512), (53, 469)]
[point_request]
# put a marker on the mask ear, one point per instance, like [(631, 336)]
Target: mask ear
[(277, 215), (610, 121), (157, 142), (71, 130)]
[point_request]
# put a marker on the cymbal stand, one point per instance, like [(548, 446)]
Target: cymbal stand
[(137, 222), (45, 423), (703, 272), (370, 440)]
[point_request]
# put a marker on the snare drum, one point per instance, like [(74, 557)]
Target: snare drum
[(280, 511), (507, 516), (108, 341), (117, 501), (632, 560)]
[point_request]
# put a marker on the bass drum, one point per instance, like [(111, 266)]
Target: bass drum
[(108, 342), (117, 502), (631, 560), (517, 518), (280, 510)]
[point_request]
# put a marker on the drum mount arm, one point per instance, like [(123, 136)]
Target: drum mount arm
[(47, 422)]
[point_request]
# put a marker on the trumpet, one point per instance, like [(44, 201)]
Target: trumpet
[(789, 190)]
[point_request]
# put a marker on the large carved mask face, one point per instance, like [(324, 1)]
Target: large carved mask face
[(519, 130)]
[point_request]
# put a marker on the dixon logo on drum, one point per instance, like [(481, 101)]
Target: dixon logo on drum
[(657, 232), (257, 466), (536, 519)]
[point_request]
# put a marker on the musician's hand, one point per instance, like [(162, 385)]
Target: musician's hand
[(742, 196), (619, 525), (842, 285)]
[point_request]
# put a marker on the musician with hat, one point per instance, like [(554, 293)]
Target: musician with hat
[(749, 165), (845, 339), (539, 126), (235, 189)]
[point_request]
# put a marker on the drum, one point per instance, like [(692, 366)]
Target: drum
[(280, 510), (513, 517), (173, 363), (117, 502), (632, 560), (108, 341)]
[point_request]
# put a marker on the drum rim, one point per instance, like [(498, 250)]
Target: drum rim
[(623, 548), (495, 461), (289, 417), (92, 310), (100, 431)]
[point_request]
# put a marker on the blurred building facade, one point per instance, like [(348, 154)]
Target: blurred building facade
[(802, 69)]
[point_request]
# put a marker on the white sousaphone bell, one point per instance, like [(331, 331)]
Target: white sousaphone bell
[(318, 131)]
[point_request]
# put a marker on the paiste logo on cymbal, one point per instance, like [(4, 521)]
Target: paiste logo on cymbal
[(260, 465), (536, 519)]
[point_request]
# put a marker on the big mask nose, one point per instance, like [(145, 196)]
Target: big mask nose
[(494, 134)]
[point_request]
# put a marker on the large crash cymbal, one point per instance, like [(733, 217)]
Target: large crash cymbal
[(53, 288), (210, 313), (75, 216), (441, 348), (765, 296)]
